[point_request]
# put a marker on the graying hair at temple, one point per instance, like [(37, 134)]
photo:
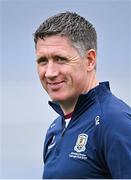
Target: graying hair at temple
[(80, 31)]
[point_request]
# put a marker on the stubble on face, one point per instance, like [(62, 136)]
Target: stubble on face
[(63, 79)]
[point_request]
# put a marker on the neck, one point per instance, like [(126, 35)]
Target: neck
[(92, 82), (69, 105)]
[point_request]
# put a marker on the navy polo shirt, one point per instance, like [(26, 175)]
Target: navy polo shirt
[(96, 142)]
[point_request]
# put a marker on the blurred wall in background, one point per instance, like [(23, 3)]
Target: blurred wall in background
[(25, 114)]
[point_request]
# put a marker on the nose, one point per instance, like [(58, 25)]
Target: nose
[(51, 71)]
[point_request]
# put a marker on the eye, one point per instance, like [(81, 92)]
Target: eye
[(42, 61), (60, 60)]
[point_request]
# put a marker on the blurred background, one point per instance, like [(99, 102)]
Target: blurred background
[(24, 111)]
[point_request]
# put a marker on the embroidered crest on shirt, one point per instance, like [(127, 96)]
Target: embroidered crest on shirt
[(81, 143)]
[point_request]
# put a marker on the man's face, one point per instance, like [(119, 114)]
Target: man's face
[(62, 71)]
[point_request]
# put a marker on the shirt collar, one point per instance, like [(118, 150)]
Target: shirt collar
[(85, 100)]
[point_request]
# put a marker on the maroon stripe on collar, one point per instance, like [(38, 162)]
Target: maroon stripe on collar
[(67, 116)]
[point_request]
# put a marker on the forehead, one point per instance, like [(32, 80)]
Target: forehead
[(54, 44)]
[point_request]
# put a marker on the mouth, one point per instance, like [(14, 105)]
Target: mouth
[(55, 85)]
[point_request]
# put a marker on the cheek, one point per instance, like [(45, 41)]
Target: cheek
[(41, 72), (80, 73)]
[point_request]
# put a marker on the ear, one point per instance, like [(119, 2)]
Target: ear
[(91, 59)]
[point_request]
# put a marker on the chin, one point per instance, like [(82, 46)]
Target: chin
[(58, 98)]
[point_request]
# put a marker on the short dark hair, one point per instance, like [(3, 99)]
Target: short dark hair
[(80, 31)]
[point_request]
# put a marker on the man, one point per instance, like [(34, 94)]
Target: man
[(91, 138)]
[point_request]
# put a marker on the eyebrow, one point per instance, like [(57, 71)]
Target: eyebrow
[(60, 56), (40, 59), (54, 56)]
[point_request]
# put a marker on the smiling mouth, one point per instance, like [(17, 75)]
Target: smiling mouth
[(55, 85)]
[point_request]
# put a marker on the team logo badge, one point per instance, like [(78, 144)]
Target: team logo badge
[(81, 142)]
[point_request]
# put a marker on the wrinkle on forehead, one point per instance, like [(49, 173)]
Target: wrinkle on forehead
[(59, 46)]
